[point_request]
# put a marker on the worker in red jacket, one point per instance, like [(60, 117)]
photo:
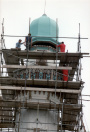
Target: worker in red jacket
[(65, 75), (62, 47)]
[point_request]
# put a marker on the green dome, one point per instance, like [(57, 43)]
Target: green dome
[(45, 28)]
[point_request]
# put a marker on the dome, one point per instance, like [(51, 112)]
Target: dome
[(45, 28)]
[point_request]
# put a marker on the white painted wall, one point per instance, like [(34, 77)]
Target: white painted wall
[(44, 116)]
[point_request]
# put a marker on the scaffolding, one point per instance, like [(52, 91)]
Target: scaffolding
[(41, 88)]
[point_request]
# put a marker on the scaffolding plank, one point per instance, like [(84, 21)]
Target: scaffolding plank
[(41, 54), (41, 82), (40, 89), (42, 105), (7, 118), (36, 67), (7, 125)]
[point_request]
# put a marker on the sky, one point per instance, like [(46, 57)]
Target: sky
[(69, 13)]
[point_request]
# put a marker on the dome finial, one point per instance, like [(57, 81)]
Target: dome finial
[(44, 6)]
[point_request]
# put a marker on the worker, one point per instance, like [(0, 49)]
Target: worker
[(28, 41), (65, 74), (62, 47), (18, 44)]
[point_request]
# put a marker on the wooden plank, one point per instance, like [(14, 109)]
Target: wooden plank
[(30, 104), (7, 110), (7, 113), (41, 54), (36, 67), (7, 118), (41, 82), (7, 125), (40, 89)]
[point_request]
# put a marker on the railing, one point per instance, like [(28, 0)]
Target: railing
[(37, 74)]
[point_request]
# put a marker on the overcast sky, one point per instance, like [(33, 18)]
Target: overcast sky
[(70, 13)]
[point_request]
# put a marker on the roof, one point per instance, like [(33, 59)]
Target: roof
[(45, 28)]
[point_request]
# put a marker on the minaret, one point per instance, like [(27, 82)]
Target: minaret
[(35, 97), (43, 114)]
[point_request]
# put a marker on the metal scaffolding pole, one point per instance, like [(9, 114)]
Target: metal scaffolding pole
[(62, 118), (1, 45), (56, 64)]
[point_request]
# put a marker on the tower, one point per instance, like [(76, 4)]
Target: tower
[(35, 98)]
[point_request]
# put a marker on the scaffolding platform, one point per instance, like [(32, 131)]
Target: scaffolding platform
[(24, 93), (13, 57)]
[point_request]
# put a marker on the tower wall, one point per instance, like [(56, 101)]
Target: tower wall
[(43, 119)]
